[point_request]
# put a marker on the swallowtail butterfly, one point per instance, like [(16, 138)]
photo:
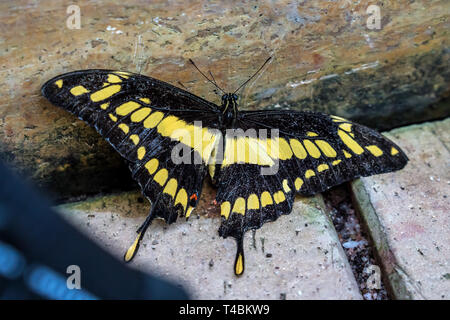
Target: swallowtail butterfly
[(145, 120)]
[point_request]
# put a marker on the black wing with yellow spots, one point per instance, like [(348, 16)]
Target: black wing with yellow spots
[(139, 116), (310, 152)]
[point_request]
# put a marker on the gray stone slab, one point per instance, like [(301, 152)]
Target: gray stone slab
[(408, 213), (297, 257)]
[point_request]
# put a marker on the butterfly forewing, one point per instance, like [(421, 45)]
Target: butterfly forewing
[(314, 152), (140, 116)]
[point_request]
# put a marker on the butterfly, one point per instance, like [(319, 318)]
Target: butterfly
[(173, 139)]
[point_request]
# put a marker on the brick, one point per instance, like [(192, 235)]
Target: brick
[(296, 257), (407, 213)]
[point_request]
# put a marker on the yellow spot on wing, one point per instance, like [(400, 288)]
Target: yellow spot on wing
[(105, 93), (112, 78), (141, 153), (124, 128), (375, 150), (394, 151), (189, 211), (189, 135), (253, 202), (239, 206), (279, 197), (132, 249), (78, 90), (266, 199), (349, 142), (311, 134), (127, 107), (312, 149), (225, 209), (212, 170), (104, 106), (286, 186), (140, 115), (243, 152), (322, 167), (161, 176), (209, 143), (171, 187), (200, 139), (181, 198), (123, 74), (346, 154), (298, 149), (239, 266), (346, 127), (212, 163), (152, 165), (336, 162), (134, 138), (338, 118), (298, 184), (112, 117), (59, 83), (153, 119), (145, 100), (246, 150), (168, 125), (309, 173), (284, 151), (326, 148)]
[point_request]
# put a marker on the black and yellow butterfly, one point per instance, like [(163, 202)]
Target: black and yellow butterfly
[(147, 120)]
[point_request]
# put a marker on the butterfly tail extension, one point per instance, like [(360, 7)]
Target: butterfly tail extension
[(239, 263), (133, 249)]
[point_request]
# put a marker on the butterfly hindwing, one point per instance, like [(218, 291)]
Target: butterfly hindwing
[(169, 186), (249, 199)]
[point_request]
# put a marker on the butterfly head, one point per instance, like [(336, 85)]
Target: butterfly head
[(229, 98)]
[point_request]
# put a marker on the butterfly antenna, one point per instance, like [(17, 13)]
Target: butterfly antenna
[(212, 77), (213, 82), (260, 68), (179, 82)]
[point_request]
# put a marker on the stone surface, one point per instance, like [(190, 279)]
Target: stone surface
[(325, 59), (296, 257), (408, 213)]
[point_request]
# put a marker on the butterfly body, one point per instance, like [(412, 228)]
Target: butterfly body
[(259, 160), (229, 110)]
